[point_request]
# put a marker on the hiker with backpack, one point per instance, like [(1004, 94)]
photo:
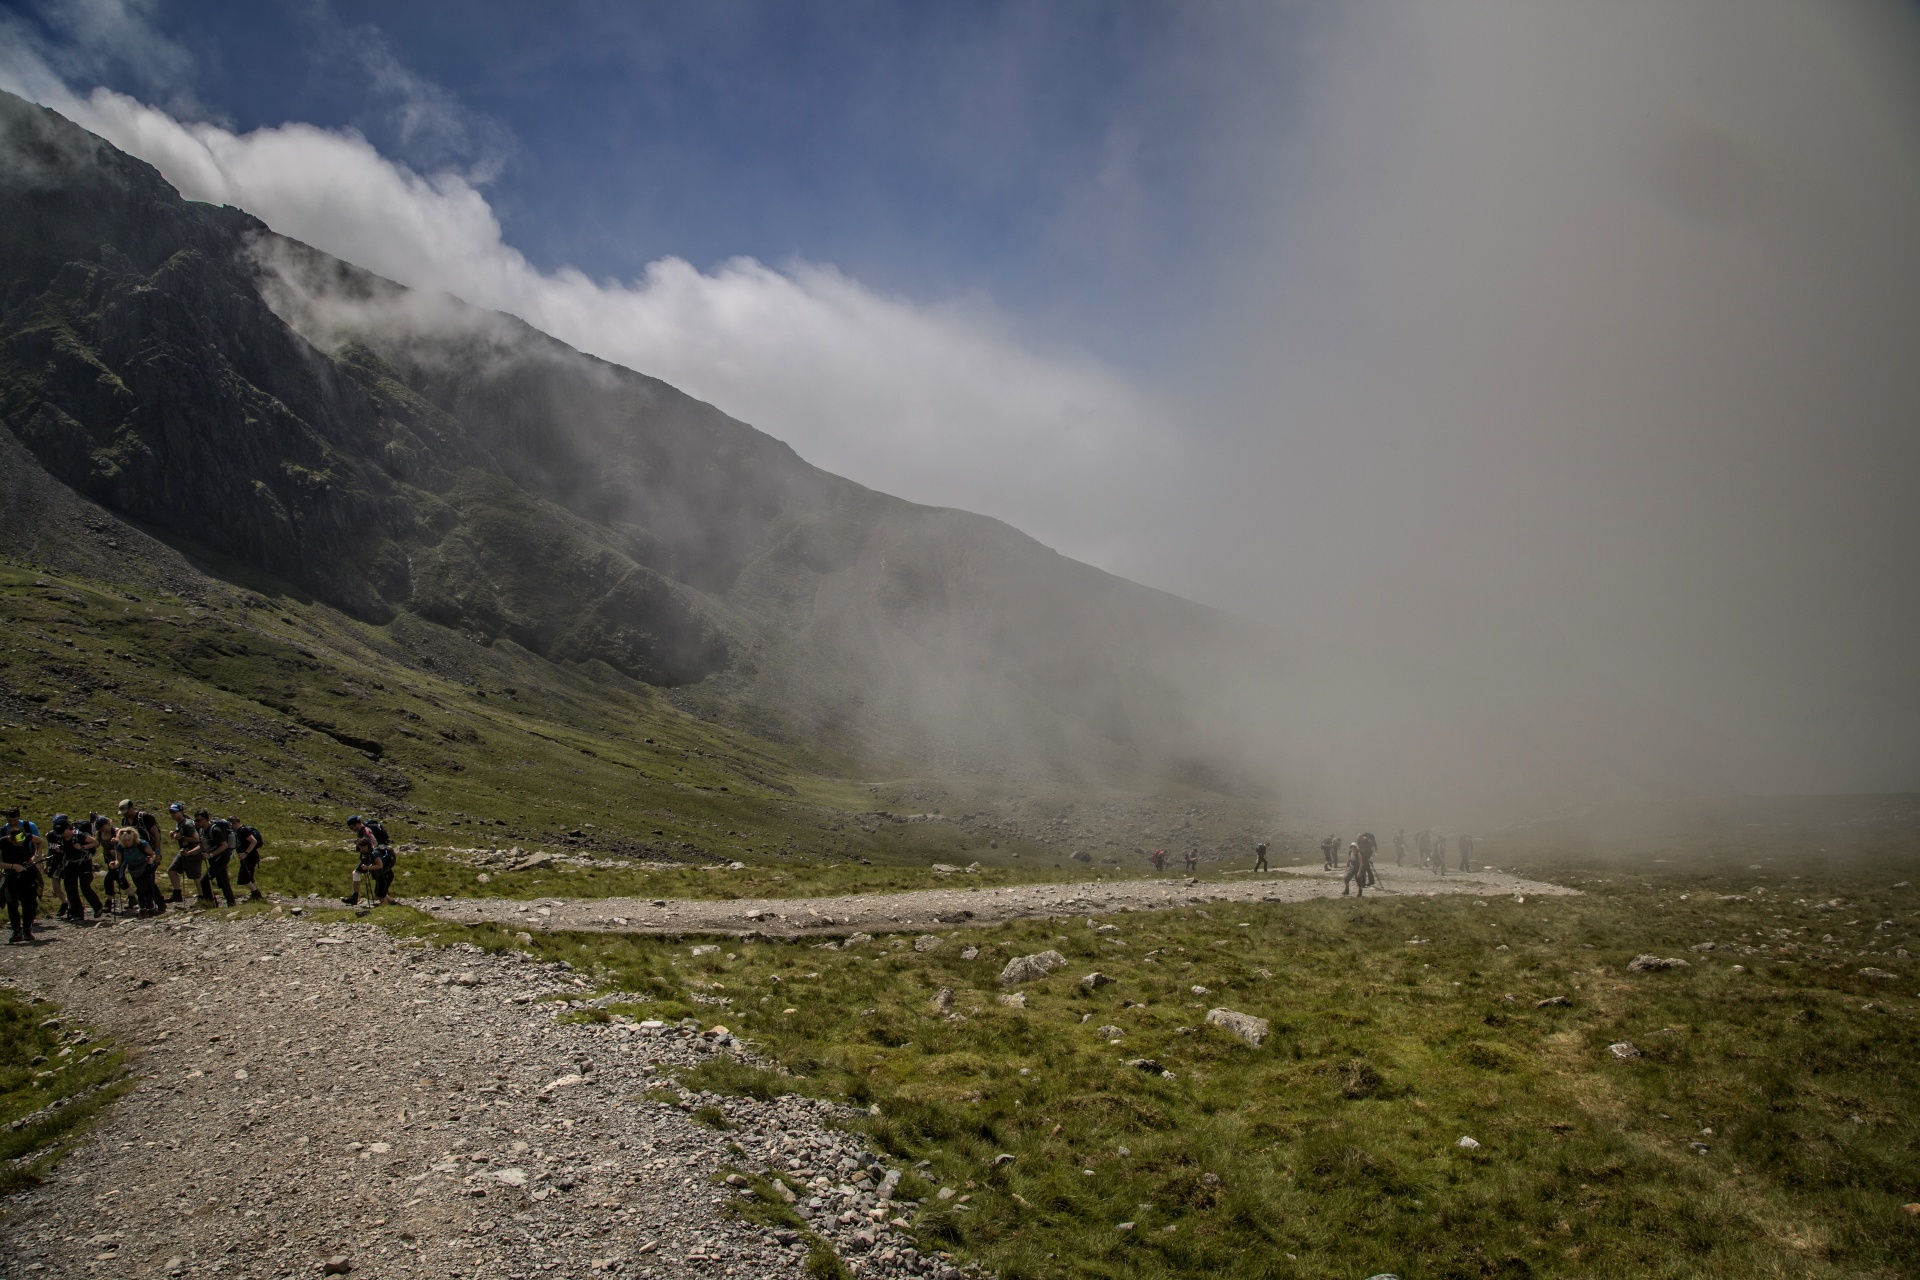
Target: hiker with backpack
[(1260, 856), (75, 845), (112, 878), (139, 860), (248, 842), (216, 850), (376, 856), (20, 862), (187, 858)]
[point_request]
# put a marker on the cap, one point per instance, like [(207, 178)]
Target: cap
[(355, 820), (124, 805), (60, 820), (176, 807)]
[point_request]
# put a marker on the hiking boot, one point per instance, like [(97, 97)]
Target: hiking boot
[(14, 940), (256, 896), (176, 897), (352, 901)]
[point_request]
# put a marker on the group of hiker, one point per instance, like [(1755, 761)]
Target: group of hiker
[(125, 847), (1431, 847)]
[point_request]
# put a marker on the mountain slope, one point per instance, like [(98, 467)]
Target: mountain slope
[(397, 453)]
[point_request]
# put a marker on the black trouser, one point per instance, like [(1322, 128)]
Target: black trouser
[(216, 873), (1261, 862), (248, 861), (112, 880), (382, 881), (22, 890), (78, 880), (145, 891)]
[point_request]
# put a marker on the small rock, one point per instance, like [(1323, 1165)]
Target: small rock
[(1014, 1000), (1146, 1064), (1654, 964), (1877, 973), (735, 1180), (338, 1265), (1124, 1226), (1031, 968), (1109, 1032), (1249, 1028), (1701, 946), (538, 862), (1468, 1144), (970, 953), (943, 1000), (927, 942), (705, 950), (465, 980), (1095, 979), (1552, 1002), (1004, 1158), (1624, 1049)]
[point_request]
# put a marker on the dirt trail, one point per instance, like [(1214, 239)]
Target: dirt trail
[(928, 909), (308, 1092)]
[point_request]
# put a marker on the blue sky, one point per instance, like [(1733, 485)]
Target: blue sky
[(1064, 161)]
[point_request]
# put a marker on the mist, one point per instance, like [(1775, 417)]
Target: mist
[(1553, 413)]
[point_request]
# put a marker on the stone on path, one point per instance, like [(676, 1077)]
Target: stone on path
[(1654, 964)]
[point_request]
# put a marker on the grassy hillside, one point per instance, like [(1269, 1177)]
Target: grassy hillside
[(282, 710)]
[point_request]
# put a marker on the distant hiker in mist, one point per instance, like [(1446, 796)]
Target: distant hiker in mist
[(1466, 852), (1400, 847), (1439, 855), (1328, 848), (1368, 847), (1193, 861), (1159, 859), (1423, 845), (1356, 871), (1260, 856)]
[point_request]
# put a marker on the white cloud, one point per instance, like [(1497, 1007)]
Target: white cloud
[(934, 403)]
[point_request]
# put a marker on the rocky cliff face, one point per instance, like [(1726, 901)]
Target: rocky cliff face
[(243, 394)]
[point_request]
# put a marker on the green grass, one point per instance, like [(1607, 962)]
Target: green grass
[(1332, 1150), (40, 1065)]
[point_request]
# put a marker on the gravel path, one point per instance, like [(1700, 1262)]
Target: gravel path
[(308, 1092), (926, 908)]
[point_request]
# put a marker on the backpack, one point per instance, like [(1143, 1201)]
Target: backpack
[(242, 833), (380, 838)]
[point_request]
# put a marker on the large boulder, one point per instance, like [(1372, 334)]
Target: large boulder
[(1653, 964), (1249, 1028), (1031, 968)]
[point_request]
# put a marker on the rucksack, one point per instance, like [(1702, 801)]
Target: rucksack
[(242, 833), (380, 839)]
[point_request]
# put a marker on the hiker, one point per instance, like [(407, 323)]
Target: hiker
[(249, 842), (140, 820), (1423, 845), (216, 850), (1466, 852), (112, 878), (1368, 847), (376, 859), (1327, 847), (20, 848), (186, 858), (1260, 856), (1400, 847), (139, 860), (1193, 859), (1439, 854), (1356, 870), (76, 869)]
